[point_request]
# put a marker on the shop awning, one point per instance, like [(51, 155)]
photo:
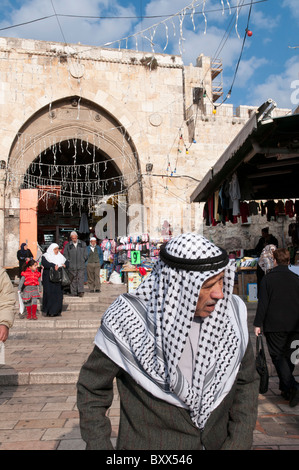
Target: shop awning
[(265, 156)]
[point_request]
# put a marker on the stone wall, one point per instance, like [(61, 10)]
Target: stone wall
[(246, 236), (150, 97)]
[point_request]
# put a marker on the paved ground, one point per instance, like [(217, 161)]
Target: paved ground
[(38, 383)]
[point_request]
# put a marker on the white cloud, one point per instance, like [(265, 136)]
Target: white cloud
[(247, 69), (293, 6), (280, 87), (260, 21), (84, 30)]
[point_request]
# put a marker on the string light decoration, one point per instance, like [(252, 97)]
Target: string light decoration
[(168, 23), (84, 182), (87, 178)]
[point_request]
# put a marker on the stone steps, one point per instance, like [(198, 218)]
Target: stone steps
[(52, 350)]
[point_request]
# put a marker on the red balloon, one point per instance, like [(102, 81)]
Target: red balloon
[(249, 33)]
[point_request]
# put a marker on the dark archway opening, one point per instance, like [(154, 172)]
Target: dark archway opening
[(73, 177)]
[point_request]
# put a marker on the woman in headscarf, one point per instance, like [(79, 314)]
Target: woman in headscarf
[(52, 291), (180, 351), (23, 255)]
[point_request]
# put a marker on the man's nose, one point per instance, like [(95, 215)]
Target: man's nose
[(217, 293)]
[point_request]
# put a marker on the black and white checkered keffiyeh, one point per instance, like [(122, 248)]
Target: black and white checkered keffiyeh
[(145, 332)]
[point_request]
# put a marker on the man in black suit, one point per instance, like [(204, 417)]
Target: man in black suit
[(278, 316)]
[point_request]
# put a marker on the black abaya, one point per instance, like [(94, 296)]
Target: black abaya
[(52, 292)]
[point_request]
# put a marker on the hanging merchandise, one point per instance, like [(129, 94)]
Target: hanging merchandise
[(235, 194), (84, 227)]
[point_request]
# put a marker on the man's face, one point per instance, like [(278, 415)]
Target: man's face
[(93, 242), (74, 238), (210, 293)]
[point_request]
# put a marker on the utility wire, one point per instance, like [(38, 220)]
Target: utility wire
[(57, 15), (58, 23), (241, 53)]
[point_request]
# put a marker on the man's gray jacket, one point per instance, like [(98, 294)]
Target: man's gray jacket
[(76, 256), (148, 423)]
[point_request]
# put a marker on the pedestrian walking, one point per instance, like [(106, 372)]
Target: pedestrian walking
[(76, 254), (180, 352), (277, 317), (52, 291), (265, 264), (23, 254), (7, 303), (29, 287), (93, 265)]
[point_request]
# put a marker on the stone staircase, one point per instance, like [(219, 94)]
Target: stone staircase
[(52, 350)]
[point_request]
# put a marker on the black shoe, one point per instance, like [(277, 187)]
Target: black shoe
[(294, 397), (81, 294), (285, 395)]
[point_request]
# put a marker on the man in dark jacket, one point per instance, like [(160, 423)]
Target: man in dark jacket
[(266, 239), (76, 254), (180, 352), (278, 317)]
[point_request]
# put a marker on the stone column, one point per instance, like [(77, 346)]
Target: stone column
[(2, 214)]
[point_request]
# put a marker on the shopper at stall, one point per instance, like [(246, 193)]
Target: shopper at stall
[(52, 291), (181, 355), (266, 239), (277, 316), (76, 254), (93, 265)]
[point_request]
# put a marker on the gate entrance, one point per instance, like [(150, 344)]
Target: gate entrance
[(78, 158), (72, 180)]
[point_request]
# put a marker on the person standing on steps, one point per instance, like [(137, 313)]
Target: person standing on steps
[(23, 255), (52, 291), (93, 266), (76, 254), (29, 286)]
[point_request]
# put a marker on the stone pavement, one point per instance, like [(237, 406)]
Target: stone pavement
[(38, 382)]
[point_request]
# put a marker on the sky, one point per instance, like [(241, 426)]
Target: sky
[(255, 68)]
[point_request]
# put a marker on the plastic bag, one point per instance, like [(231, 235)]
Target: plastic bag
[(21, 304), (66, 277), (261, 365), (2, 353), (115, 278), (55, 275)]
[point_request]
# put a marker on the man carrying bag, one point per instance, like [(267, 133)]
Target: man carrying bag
[(277, 316)]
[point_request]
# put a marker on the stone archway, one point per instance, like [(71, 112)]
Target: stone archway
[(76, 122)]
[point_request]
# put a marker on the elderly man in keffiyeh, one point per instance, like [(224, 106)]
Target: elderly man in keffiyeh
[(180, 352)]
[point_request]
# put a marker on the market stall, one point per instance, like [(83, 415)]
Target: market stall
[(131, 257), (256, 175)]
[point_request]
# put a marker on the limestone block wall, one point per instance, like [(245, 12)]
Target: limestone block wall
[(237, 236), (151, 97)]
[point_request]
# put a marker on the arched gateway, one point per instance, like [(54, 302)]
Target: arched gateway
[(73, 165)]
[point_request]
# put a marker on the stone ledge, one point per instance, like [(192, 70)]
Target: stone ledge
[(11, 377)]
